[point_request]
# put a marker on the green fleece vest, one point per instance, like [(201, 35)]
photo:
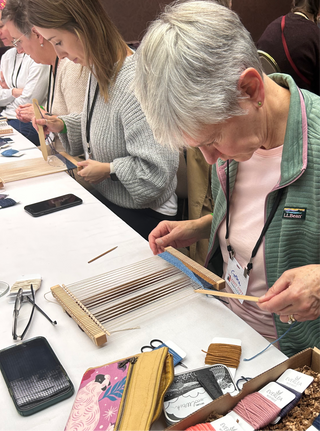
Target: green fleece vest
[(289, 242)]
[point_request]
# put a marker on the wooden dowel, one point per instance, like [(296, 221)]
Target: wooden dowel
[(228, 295), (106, 252)]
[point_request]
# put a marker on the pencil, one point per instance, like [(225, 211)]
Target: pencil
[(100, 255)]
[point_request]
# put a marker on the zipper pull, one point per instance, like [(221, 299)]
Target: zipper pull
[(132, 360)]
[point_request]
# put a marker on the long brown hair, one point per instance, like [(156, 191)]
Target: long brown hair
[(309, 6), (104, 48)]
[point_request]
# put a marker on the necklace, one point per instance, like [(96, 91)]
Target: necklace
[(302, 14), (15, 84)]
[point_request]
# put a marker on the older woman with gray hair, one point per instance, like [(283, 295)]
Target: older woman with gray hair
[(200, 84)]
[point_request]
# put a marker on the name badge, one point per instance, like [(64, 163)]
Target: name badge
[(235, 278)]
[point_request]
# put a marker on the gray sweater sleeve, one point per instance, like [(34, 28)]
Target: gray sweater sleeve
[(72, 140), (148, 170), (119, 133)]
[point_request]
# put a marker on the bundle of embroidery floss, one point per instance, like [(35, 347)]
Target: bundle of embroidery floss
[(226, 354), (295, 382), (224, 351), (253, 412)]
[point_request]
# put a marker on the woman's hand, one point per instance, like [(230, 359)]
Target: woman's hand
[(25, 113), (94, 172), (179, 233), (50, 123), (296, 293)]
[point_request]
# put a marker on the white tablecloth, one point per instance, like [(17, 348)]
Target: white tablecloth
[(58, 246)]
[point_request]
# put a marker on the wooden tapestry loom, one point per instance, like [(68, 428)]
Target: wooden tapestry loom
[(114, 299)]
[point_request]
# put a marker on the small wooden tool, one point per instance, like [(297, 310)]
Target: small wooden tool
[(228, 295)]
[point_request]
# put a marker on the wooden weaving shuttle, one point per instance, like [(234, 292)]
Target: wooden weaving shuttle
[(228, 295)]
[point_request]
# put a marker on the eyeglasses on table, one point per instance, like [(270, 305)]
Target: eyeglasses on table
[(20, 300)]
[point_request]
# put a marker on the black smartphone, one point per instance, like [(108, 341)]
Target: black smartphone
[(34, 376), (52, 205)]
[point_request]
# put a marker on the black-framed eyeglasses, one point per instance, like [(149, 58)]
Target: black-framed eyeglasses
[(16, 310), (20, 299)]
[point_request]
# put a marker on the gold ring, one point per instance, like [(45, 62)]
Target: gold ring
[(291, 319)]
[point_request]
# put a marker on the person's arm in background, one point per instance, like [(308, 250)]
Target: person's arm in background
[(36, 88), (6, 96)]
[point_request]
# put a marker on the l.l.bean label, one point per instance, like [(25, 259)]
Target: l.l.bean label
[(295, 380), (277, 394), (294, 213)]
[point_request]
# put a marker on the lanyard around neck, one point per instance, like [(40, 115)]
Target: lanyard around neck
[(90, 111), (51, 91), (263, 232), (15, 84)]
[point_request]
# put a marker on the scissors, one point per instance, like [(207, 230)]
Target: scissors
[(157, 344)]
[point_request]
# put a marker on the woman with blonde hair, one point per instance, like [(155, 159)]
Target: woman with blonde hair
[(135, 176)]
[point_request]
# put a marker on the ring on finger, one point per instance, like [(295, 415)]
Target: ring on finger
[(291, 319)]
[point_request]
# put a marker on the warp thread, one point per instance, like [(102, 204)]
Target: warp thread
[(316, 423), (257, 410), (292, 404), (226, 354)]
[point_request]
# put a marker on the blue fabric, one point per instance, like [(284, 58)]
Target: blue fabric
[(9, 153), (178, 264), (316, 423), (8, 202), (26, 129)]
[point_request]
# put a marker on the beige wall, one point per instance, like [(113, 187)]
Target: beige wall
[(132, 16)]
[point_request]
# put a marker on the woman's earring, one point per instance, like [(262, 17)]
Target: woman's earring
[(41, 44), (259, 104)]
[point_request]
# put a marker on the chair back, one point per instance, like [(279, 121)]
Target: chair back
[(269, 64)]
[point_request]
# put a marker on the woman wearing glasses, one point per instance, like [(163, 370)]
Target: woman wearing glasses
[(66, 85), (21, 79), (134, 174)]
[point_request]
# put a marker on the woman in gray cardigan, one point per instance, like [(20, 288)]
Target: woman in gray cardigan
[(134, 175)]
